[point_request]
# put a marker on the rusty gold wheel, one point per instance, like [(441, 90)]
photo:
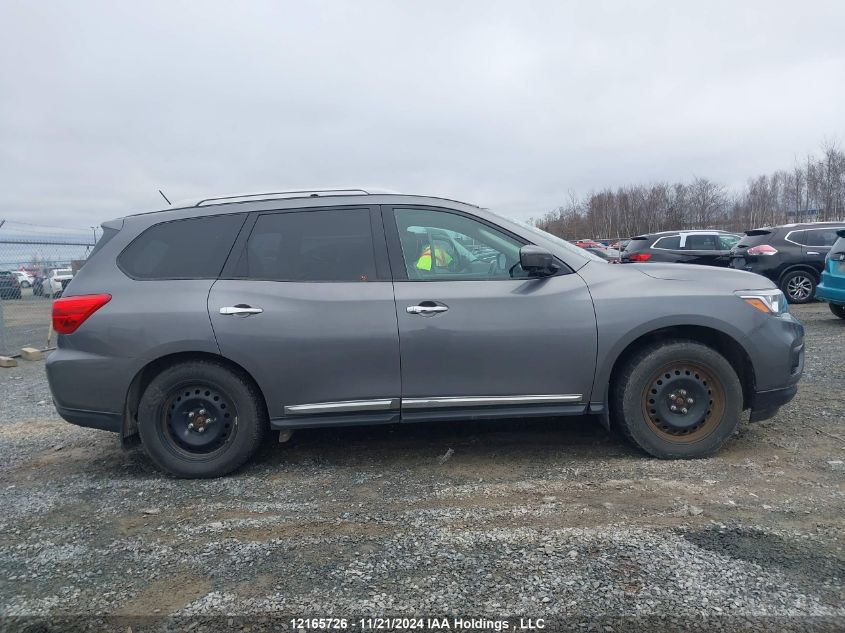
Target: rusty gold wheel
[(683, 402)]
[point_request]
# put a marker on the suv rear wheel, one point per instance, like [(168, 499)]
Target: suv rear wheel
[(678, 400), (799, 286), (838, 310), (200, 419)]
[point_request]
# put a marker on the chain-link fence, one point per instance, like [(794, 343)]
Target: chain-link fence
[(36, 263)]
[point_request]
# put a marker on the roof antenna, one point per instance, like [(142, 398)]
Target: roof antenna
[(165, 197)]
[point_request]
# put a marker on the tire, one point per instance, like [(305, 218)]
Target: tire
[(641, 398), (799, 286), (227, 408), (838, 310)]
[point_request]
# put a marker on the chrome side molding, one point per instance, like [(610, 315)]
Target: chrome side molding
[(471, 401), (387, 404), (344, 406)]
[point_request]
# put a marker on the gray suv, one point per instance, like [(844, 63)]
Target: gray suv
[(201, 328)]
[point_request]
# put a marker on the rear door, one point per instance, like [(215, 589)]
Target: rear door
[(817, 244), (306, 306), (703, 248), (474, 330)]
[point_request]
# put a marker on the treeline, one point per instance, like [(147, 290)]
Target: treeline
[(814, 190)]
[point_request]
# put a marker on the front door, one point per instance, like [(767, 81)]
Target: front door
[(474, 329), (306, 307)]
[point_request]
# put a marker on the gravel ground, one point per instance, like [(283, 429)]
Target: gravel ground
[(550, 519)]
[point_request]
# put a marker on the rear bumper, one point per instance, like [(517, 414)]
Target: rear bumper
[(102, 420), (88, 389), (765, 404), (831, 288)]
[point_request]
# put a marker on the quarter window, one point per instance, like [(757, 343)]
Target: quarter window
[(314, 245), (452, 247), (195, 248), (727, 242), (796, 237)]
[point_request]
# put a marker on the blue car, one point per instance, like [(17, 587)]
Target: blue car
[(832, 286)]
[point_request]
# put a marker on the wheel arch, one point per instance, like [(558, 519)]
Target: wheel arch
[(802, 267), (129, 434), (722, 342)]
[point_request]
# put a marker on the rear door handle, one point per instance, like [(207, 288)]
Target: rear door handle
[(240, 310), (426, 310), (813, 253)]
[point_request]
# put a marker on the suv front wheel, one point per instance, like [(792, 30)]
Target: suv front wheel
[(678, 400), (200, 419)]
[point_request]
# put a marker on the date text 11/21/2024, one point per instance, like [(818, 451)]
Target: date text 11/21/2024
[(419, 624)]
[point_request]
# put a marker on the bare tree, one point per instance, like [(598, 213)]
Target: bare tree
[(814, 188)]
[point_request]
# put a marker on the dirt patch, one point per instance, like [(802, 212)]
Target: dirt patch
[(166, 595)]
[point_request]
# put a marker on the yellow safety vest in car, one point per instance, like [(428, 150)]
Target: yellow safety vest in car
[(442, 257)]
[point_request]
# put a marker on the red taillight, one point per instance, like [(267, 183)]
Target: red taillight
[(639, 257), (763, 249), (71, 312)]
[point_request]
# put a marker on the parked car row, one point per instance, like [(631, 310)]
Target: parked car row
[(50, 285), (796, 257)]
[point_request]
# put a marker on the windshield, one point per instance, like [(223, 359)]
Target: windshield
[(558, 241)]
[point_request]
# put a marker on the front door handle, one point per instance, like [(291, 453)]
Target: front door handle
[(240, 310), (813, 253), (426, 310)]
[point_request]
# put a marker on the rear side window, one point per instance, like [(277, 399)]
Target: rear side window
[(318, 245), (182, 249), (672, 242)]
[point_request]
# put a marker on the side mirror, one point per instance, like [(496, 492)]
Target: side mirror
[(536, 260)]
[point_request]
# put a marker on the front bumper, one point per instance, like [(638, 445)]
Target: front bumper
[(778, 359), (765, 404)]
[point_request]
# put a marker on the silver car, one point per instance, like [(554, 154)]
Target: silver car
[(201, 328)]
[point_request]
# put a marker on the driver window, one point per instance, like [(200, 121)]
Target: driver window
[(451, 247)]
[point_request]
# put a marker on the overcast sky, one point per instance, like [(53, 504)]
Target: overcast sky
[(506, 104)]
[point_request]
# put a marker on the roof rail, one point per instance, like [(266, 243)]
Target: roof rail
[(303, 193)]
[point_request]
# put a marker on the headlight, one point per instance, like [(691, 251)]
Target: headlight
[(770, 301)]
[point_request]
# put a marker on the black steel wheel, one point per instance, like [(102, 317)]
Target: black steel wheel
[(201, 419), (198, 418), (838, 310), (684, 401), (678, 399), (799, 286)]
